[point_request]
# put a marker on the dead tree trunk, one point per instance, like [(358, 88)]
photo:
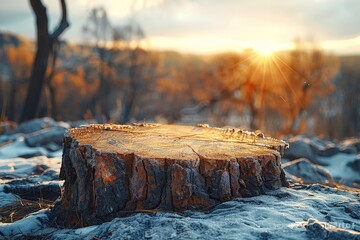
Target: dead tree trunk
[(130, 95), (114, 170), (44, 44), (12, 100), (52, 89)]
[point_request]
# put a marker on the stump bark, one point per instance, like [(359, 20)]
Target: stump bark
[(114, 170)]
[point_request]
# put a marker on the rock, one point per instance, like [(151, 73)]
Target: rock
[(354, 142), (39, 169), (355, 165), (52, 147), (308, 172), (299, 148), (32, 154), (45, 137), (111, 170), (322, 230), (35, 192), (347, 149), (39, 124), (47, 175), (323, 148)]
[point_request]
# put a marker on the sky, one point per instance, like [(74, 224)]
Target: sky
[(210, 26)]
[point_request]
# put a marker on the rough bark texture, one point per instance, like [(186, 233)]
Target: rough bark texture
[(114, 170)]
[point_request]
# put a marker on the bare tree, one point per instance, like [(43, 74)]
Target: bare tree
[(50, 86), (314, 77), (133, 34), (99, 28), (45, 41), (350, 99)]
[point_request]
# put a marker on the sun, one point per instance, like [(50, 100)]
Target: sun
[(266, 48), (265, 51)]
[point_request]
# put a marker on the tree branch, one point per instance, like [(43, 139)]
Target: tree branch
[(63, 22), (37, 7)]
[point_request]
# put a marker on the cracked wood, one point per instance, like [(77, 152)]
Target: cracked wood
[(113, 170)]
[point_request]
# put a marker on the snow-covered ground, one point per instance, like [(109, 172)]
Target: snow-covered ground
[(19, 148), (298, 212)]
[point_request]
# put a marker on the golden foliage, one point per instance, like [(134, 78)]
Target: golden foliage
[(20, 60)]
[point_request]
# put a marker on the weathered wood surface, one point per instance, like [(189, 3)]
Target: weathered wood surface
[(111, 170)]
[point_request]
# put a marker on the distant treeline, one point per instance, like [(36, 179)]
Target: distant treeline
[(302, 90)]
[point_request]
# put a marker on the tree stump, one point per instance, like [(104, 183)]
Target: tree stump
[(114, 170)]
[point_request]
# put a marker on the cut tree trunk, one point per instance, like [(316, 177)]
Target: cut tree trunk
[(115, 170)]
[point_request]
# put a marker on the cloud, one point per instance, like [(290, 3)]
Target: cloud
[(220, 21), (324, 19)]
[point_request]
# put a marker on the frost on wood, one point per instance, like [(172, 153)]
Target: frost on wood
[(114, 170)]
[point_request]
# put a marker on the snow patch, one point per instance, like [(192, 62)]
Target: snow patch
[(24, 227), (7, 198), (19, 148), (21, 167), (339, 168)]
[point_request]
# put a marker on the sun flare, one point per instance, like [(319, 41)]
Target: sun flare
[(265, 52)]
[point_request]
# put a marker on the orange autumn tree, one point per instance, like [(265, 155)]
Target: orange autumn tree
[(271, 93), (19, 61), (307, 74)]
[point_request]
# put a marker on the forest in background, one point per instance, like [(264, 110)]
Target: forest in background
[(114, 77)]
